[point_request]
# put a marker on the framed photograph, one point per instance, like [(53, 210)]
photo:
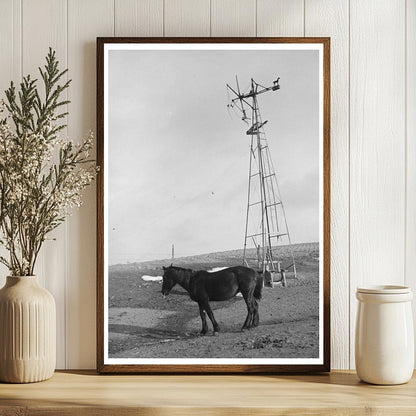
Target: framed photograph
[(213, 205)]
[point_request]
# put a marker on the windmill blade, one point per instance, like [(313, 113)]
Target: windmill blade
[(243, 110), (238, 85)]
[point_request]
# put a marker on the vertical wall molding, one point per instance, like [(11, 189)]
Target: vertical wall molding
[(280, 18), (10, 62), (36, 39), (87, 20), (331, 18), (410, 165), (187, 18), (10, 42), (233, 18), (138, 18), (377, 146)]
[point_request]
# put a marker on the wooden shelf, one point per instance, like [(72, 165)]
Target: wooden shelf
[(86, 393)]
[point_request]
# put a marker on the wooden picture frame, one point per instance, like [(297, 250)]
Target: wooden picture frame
[(200, 365)]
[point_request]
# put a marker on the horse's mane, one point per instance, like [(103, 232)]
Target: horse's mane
[(181, 269)]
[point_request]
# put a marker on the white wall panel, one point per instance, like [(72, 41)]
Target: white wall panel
[(187, 18), (10, 43), (44, 24), (87, 19), (280, 18), (411, 148), (377, 146), (330, 18), (10, 63), (233, 18), (138, 17)]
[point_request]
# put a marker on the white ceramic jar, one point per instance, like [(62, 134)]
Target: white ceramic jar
[(384, 338)]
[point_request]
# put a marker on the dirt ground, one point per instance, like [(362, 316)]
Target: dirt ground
[(144, 325)]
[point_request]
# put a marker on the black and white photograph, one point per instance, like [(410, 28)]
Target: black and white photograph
[(213, 203)]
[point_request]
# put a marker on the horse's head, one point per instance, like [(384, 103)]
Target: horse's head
[(168, 280)]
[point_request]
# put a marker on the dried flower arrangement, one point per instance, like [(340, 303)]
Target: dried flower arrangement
[(42, 176)]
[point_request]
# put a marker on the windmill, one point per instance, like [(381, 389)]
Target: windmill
[(266, 225)]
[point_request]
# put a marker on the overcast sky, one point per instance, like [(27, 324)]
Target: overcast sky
[(178, 161)]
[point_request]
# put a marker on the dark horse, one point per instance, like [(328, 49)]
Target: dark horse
[(203, 286)]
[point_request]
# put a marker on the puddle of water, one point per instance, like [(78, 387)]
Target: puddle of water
[(141, 317)]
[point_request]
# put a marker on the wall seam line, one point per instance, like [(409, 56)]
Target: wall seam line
[(13, 60), (21, 40), (349, 186), (210, 18), (304, 18), (405, 143), (67, 230)]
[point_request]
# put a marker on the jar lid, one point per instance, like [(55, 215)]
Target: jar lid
[(384, 289)]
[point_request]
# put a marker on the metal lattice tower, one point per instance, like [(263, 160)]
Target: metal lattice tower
[(266, 225)]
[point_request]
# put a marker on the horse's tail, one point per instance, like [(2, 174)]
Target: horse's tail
[(259, 286)]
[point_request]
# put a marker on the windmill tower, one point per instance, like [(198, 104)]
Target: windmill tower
[(266, 225)]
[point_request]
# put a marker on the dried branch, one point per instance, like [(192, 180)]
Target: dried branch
[(41, 176)]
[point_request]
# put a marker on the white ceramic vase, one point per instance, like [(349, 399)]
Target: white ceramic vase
[(27, 331), (384, 340)]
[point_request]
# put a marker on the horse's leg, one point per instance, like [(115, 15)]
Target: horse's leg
[(251, 323), (248, 297), (208, 309), (203, 319), (247, 322), (255, 318)]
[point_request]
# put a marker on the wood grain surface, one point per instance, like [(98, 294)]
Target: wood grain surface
[(82, 393)]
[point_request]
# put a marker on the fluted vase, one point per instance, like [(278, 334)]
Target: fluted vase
[(27, 331)]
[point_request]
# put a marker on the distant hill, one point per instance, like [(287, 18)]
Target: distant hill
[(223, 258)]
